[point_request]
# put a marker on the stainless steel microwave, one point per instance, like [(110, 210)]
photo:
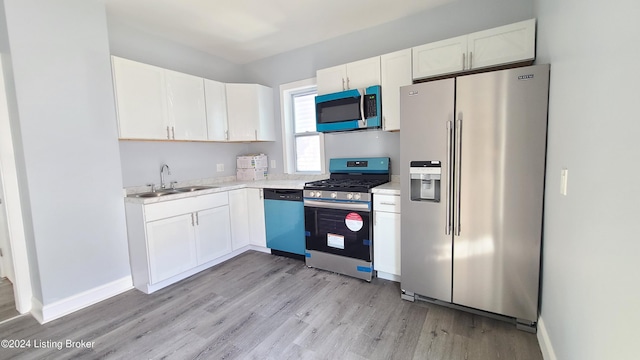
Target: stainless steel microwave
[(349, 110)]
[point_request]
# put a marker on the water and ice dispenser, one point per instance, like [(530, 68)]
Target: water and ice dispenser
[(425, 180)]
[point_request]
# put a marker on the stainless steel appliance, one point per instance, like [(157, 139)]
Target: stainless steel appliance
[(338, 216), (349, 110), (284, 222), (473, 159)]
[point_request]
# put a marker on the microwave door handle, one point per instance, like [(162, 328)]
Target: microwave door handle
[(362, 118)]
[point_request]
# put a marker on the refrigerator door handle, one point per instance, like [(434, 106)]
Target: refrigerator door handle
[(447, 228), (458, 155)]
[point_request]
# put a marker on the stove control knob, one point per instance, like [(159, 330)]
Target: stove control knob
[(334, 195), (349, 196), (356, 196), (312, 194), (319, 194)]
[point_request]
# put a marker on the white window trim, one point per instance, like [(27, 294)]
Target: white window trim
[(287, 127)]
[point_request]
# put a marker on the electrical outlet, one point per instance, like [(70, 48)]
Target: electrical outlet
[(564, 175), (220, 167), (273, 164)]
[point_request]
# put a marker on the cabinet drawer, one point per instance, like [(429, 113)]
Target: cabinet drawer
[(166, 209), (210, 201), (388, 203)]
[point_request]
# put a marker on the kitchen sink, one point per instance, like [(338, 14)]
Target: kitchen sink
[(194, 188), (172, 191), (155, 194)]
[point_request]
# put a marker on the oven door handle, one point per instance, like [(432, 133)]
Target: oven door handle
[(359, 206)]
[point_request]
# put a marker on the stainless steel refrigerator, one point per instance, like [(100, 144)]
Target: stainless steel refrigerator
[(472, 153)]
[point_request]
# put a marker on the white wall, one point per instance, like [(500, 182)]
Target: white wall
[(66, 146), (453, 19), (590, 293)]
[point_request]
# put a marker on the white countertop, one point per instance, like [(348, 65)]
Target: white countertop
[(390, 188), (297, 184)]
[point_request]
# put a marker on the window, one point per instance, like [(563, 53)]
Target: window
[(303, 146)]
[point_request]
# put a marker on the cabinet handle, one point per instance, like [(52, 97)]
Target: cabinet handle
[(256, 134), (387, 203), (348, 86), (463, 61), (470, 59), (168, 137), (197, 219), (343, 84), (173, 132), (226, 134), (192, 220)]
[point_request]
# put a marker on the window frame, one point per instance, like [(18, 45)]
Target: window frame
[(287, 91)]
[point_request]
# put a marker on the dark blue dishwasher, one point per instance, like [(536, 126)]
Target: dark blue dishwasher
[(284, 218)]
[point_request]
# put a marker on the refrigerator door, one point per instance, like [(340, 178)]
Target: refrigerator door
[(501, 118), (426, 111)]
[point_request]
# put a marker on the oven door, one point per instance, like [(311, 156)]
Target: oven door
[(339, 228)]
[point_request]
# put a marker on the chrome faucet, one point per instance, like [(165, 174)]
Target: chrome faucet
[(162, 185)]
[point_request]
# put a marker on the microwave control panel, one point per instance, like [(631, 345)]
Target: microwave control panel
[(370, 106)]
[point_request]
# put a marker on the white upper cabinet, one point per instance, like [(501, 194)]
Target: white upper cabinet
[(250, 112), (502, 45), (141, 100), (331, 79), (187, 116), (440, 57), (216, 104), (159, 104), (395, 72), (354, 75)]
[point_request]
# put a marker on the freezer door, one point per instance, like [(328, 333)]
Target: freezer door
[(426, 110), (501, 118)]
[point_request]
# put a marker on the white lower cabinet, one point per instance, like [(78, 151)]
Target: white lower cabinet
[(386, 236), (171, 240), (238, 207), (257, 229), (213, 233), (172, 247)]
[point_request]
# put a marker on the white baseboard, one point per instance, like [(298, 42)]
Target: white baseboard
[(60, 308), (545, 342), (388, 276), (259, 248)]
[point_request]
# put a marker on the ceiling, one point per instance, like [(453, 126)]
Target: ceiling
[(243, 31)]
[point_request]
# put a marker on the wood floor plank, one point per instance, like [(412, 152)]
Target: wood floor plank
[(260, 306), (7, 300)]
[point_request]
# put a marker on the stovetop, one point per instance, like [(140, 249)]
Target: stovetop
[(353, 175), (351, 185)]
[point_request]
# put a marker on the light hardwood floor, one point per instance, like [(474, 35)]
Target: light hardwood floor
[(7, 301), (260, 306)]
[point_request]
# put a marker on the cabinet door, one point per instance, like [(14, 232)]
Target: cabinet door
[(239, 214), (331, 79), (213, 234), (395, 70), (386, 242), (172, 248), (216, 108), (257, 230), (141, 100), (187, 116), (242, 112), (266, 126), (363, 73), (502, 45), (440, 57)]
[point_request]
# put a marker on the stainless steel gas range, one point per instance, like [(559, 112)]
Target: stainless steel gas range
[(338, 216)]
